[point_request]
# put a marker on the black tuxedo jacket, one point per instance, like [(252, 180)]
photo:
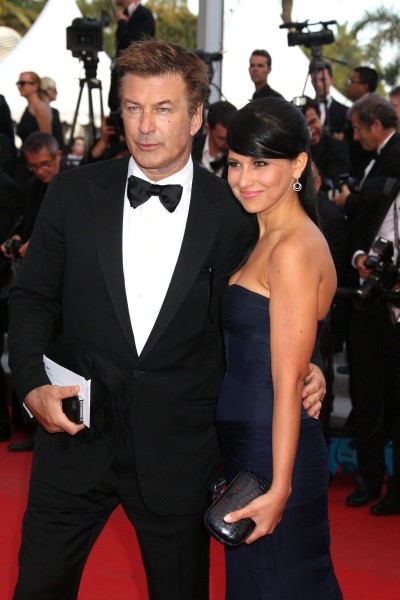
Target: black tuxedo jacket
[(197, 154), (337, 116), (140, 25), (74, 264), (331, 157), (387, 164), (376, 197)]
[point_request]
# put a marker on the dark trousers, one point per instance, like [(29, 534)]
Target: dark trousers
[(375, 364), (59, 530)]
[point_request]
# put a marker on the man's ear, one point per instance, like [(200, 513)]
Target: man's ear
[(197, 120)]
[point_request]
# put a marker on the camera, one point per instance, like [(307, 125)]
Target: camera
[(12, 247), (385, 273), (85, 35), (347, 179), (309, 38), (115, 120)]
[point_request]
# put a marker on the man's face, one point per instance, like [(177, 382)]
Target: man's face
[(366, 135), (356, 89), (395, 102), (314, 125), (322, 82), (43, 164), (158, 126), (259, 69), (217, 137)]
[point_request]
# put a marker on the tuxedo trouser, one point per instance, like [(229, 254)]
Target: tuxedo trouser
[(59, 530), (375, 366)]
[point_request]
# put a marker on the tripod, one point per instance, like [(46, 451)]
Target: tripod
[(90, 61)]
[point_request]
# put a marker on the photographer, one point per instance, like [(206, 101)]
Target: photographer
[(374, 126), (43, 158), (330, 155), (375, 345), (111, 143)]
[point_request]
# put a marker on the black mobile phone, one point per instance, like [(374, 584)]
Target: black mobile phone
[(73, 408)]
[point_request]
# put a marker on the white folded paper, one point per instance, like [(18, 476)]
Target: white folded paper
[(59, 375)]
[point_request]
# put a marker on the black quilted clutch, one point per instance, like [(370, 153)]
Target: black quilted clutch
[(244, 488)]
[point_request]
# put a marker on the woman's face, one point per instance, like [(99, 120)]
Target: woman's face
[(262, 183), (26, 85)]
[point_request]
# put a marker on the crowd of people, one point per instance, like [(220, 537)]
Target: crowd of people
[(171, 268)]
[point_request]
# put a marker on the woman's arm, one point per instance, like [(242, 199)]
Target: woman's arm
[(293, 279)]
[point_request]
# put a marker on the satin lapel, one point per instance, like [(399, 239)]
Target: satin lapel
[(107, 196), (205, 213), (376, 168)]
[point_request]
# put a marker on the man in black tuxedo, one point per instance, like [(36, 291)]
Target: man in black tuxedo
[(333, 113), (331, 156), (362, 80), (134, 22), (374, 125), (136, 253), (210, 148), (375, 352)]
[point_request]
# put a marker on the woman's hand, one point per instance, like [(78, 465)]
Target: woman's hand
[(266, 511)]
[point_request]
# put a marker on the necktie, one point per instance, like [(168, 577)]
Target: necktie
[(216, 165), (139, 191)]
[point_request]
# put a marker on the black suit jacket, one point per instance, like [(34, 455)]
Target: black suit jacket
[(331, 157), (197, 155), (74, 261), (376, 197), (337, 116), (140, 25), (387, 164)]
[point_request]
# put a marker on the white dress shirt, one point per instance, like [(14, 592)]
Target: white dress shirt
[(151, 242)]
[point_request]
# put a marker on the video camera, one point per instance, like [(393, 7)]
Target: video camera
[(385, 273), (309, 38), (85, 35)]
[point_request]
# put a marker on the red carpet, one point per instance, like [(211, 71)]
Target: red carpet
[(365, 548)]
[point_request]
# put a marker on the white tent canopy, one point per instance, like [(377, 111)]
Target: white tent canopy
[(43, 50)]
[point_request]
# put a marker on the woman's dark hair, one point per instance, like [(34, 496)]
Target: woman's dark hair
[(275, 128)]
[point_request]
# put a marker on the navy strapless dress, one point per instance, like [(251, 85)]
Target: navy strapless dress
[(293, 563)]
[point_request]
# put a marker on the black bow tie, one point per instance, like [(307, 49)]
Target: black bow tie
[(216, 165), (139, 191)]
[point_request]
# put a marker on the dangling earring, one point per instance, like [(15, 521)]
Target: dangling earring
[(297, 186)]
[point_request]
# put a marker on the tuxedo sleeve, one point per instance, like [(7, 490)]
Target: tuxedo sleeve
[(36, 297)]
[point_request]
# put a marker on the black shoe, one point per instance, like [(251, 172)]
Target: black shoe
[(389, 505), (362, 496), (25, 446)]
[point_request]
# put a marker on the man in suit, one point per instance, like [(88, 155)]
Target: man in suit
[(210, 148), (333, 113), (362, 80), (374, 124), (260, 67), (136, 252), (331, 156), (134, 22), (375, 351)]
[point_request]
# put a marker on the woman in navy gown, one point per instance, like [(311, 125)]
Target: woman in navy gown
[(272, 313)]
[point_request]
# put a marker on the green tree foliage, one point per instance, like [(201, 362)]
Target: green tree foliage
[(382, 30), (20, 15), (174, 22)]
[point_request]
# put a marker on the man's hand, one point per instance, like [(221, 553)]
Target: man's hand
[(359, 261), (341, 198), (45, 405), (314, 391)]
